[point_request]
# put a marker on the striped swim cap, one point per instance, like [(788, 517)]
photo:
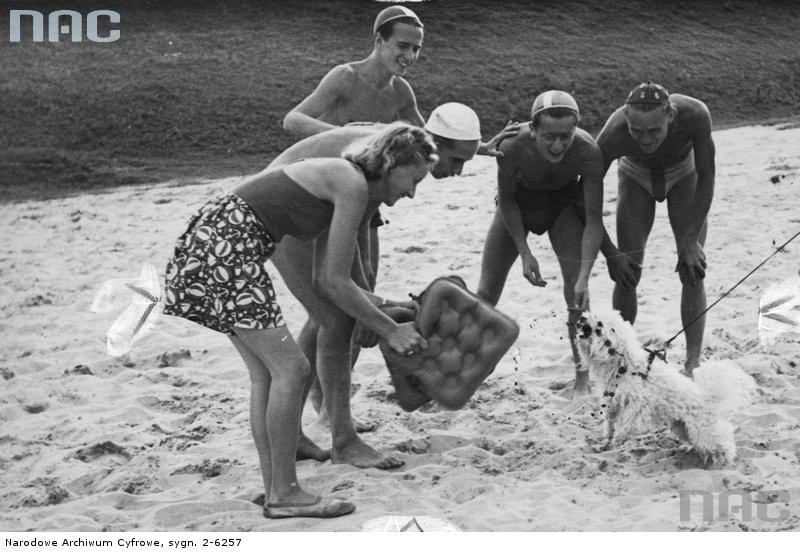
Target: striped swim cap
[(391, 13), (553, 99), (648, 93)]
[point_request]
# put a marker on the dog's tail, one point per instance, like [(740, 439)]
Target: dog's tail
[(728, 386)]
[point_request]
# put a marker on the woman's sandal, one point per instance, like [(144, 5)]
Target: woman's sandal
[(328, 508)]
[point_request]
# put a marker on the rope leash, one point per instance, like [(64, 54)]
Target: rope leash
[(662, 351)]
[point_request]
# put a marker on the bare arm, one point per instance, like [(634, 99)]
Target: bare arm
[(592, 179), (358, 272), (690, 251), (408, 111), (607, 142), (334, 254), (622, 268), (491, 147), (704, 154), (303, 119), (508, 206), (512, 218)]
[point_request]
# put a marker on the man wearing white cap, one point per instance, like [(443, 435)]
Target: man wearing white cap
[(326, 337), (549, 180)]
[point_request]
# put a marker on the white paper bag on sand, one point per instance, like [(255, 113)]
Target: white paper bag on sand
[(140, 316)]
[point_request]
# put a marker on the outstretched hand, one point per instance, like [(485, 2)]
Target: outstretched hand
[(530, 270), (624, 270), (581, 290), (693, 258), (490, 148)]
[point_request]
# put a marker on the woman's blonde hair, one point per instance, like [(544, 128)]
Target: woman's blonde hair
[(396, 144)]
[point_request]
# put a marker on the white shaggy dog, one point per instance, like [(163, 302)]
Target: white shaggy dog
[(638, 397)]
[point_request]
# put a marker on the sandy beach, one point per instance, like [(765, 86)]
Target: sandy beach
[(160, 441)]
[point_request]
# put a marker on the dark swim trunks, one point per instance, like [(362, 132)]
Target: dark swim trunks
[(217, 276), (541, 208)]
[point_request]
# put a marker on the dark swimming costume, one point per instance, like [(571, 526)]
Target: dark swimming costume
[(541, 208), (285, 207)]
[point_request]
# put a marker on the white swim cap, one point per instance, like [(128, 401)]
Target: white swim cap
[(552, 99), (455, 121)]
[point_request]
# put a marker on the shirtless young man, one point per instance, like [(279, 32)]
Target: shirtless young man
[(326, 337), (549, 180), (665, 151), (371, 90)]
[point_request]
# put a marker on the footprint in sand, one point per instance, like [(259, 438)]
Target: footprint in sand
[(35, 407), (88, 483), (106, 448), (172, 359), (208, 468), (414, 446), (46, 493), (180, 514), (139, 485), (79, 370), (38, 300)]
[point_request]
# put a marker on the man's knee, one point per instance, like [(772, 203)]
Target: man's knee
[(626, 290), (688, 277)]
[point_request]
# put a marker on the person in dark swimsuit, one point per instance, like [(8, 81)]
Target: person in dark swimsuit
[(217, 278), (327, 335), (549, 180)]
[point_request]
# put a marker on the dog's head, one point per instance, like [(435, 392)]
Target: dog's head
[(608, 344)]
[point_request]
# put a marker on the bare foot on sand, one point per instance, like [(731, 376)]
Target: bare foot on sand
[(308, 450), (581, 389), (357, 453), (360, 426), (582, 386), (688, 367)]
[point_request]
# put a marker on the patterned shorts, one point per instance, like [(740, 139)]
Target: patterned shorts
[(217, 276)]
